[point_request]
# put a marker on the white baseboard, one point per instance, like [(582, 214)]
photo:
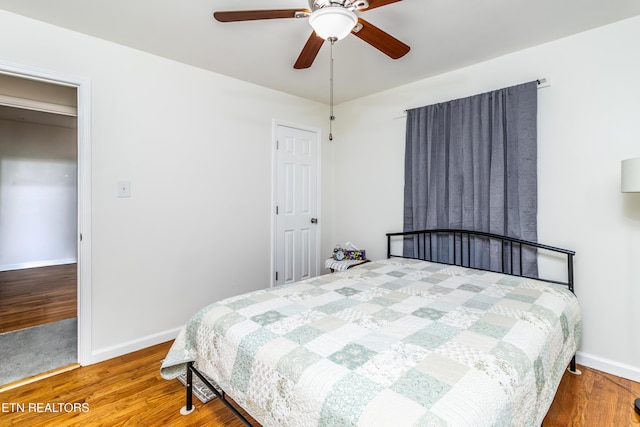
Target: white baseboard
[(129, 347), (35, 264), (610, 366)]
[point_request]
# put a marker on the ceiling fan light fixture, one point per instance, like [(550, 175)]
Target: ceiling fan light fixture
[(333, 22)]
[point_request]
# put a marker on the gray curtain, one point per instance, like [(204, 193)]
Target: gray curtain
[(471, 164)]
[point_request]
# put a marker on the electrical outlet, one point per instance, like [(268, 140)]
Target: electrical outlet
[(124, 189)]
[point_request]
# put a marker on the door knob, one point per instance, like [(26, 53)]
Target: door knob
[(314, 220)]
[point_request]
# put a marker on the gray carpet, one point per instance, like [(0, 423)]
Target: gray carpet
[(32, 351)]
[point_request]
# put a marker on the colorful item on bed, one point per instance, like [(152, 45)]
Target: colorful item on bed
[(393, 342)]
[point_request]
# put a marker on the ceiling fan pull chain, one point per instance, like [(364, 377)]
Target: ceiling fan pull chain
[(331, 116)]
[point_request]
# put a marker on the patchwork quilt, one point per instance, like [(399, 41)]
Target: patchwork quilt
[(396, 342)]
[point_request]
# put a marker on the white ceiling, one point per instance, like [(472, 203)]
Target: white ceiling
[(443, 34)]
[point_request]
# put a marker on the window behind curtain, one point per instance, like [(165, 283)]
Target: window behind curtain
[(471, 164)]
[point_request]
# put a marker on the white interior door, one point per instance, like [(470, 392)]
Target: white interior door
[(296, 240)]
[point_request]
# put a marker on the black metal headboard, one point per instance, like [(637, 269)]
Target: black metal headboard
[(511, 248)]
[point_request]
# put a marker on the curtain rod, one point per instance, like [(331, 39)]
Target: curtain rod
[(542, 83)]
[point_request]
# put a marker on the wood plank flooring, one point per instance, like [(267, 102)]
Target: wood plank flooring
[(125, 391), (595, 399), (128, 391), (35, 296)]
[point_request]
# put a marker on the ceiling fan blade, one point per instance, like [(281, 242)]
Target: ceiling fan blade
[(382, 41), (309, 52), (253, 15), (377, 3)]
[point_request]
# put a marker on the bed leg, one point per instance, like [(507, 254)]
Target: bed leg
[(188, 408), (221, 395), (572, 367)]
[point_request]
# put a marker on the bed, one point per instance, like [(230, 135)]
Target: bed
[(398, 341)]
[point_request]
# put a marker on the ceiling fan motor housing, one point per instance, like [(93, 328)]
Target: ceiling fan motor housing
[(346, 4)]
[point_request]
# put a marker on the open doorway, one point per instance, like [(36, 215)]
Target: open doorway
[(38, 227)]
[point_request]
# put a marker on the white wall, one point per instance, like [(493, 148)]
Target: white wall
[(587, 123), (37, 195), (196, 147)]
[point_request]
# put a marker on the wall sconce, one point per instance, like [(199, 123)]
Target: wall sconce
[(630, 178)]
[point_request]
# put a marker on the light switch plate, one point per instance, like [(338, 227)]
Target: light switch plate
[(124, 188)]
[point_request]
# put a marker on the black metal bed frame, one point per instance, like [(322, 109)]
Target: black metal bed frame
[(220, 394), (461, 247), (511, 249)]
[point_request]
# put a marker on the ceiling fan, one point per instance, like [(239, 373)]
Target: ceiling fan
[(331, 20)]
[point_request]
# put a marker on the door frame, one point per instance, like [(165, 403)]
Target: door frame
[(274, 196), (83, 214)]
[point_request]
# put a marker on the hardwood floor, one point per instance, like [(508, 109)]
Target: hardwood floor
[(595, 399), (125, 391), (35, 296), (128, 391)]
